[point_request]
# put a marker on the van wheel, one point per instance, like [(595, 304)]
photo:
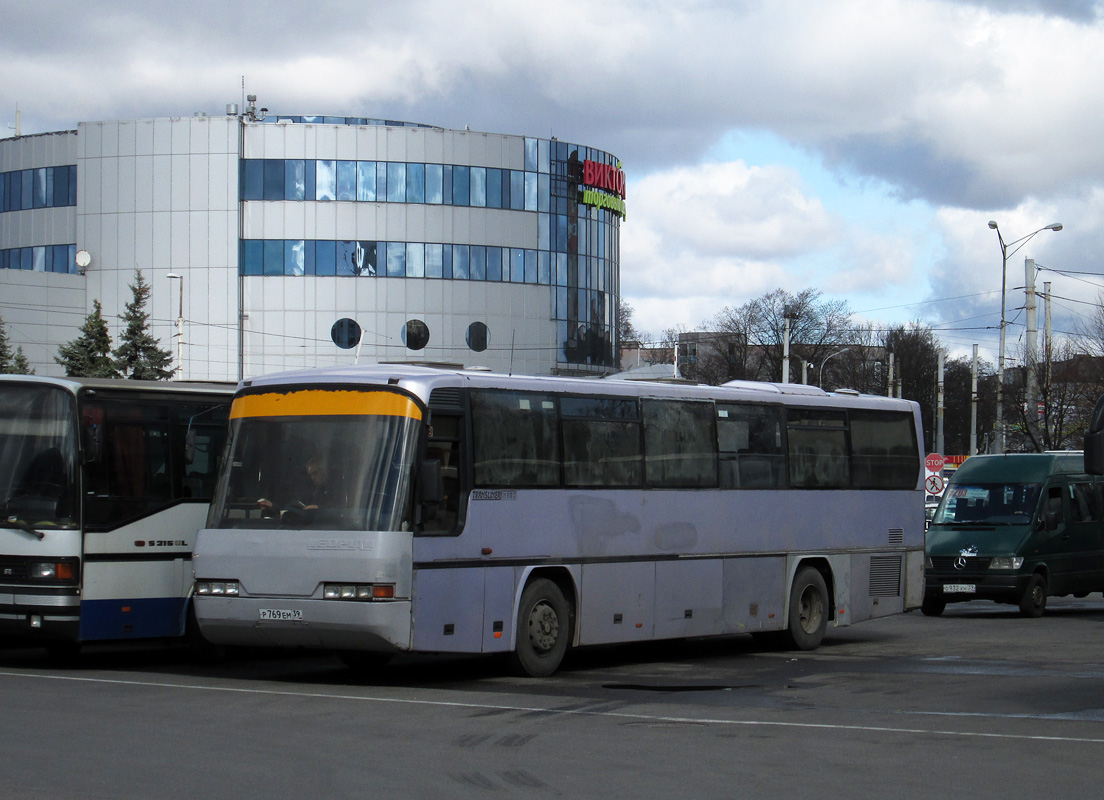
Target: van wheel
[(932, 607), (1033, 600), (544, 629), (808, 610)]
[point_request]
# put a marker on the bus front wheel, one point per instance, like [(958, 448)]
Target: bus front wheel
[(544, 629), (808, 610), (1033, 601)]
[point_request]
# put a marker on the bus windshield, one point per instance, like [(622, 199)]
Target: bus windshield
[(318, 472), (988, 504), (38, 452)]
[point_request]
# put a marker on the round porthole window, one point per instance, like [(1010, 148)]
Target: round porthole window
[(345, 333), (415, 334), (477, 337)]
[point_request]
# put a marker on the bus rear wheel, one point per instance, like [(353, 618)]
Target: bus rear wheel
[(808, 610), (544, 629)]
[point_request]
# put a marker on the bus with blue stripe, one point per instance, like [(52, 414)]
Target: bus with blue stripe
[(103, 485)]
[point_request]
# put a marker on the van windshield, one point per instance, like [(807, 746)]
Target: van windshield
[(988, 504)]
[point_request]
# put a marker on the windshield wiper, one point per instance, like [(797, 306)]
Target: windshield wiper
[(26, 527)]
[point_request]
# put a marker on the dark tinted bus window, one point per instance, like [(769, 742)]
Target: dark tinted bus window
[(749, 439), (515, 440), (680, 443), (601, 442), (817, 442), (883, 450)]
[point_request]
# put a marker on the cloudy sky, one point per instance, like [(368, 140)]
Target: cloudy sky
[(857, 147)]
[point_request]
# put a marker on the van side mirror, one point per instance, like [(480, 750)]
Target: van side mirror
[(430, 481), (1051, 520)]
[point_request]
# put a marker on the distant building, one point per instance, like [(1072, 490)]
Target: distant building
[(285, 241)]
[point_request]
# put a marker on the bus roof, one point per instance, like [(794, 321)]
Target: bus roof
[(75, 385), (1018, 467), (423, 381)]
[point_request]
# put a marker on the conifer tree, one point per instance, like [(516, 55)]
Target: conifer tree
[(20, 364), (89, 355), (138, 355), (5, 349)]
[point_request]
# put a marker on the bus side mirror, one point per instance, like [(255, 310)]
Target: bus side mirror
[(1094, 441), (431, 483), (1051, 520), (91, 442)]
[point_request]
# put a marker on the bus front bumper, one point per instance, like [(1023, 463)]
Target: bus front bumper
[(305, 622)]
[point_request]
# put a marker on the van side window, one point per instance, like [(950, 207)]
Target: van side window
[(1083, 505)]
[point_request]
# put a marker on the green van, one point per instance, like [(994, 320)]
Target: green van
[(1016, 529)]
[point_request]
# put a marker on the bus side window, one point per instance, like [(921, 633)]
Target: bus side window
[(444, 446)]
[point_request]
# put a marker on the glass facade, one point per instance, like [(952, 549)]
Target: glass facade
[(44, 258), (44, 187), (575, 252)]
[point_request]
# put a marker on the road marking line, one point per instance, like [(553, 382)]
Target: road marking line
[(559, 711)]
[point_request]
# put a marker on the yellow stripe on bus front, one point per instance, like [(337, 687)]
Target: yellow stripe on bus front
[(324, 403)]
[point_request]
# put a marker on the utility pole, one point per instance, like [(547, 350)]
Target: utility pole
[(973, 404), (939, 409), (1031, 360)]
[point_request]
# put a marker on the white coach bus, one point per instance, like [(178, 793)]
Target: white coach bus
[(103, 485), (387, 509)]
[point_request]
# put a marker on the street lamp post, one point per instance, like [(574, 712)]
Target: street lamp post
[(179, 371), (825, 361), (1005, 254)]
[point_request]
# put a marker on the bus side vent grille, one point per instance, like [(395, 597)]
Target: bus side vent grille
[(885, 576), (448, 397), (896, 535)]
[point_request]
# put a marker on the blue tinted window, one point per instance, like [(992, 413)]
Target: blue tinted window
[(325, 258), (273, 179), (544, 192), (310, 182), (446, 262), (72, 186), (346, 180), (347, 257), (530, 191), (415, 183), (544, 155), (252, 257), (325, 184), (494, 263), (434, 177), (40, 187), (381, 180), (505, 188), (396, 182), (494, 188), (295, 179), (49, 187), (295, 257), (542, 231), (517, 190), (433, 261), (253, 179), (366, 181), (446, 184), (460, 261), (544, 268), (274, 257), (478, 263), (461, 189), (517, 265), (415, 260), (530, 266), (478, 187), (27, 200), (561, 269), (531, 155), (396, 259)]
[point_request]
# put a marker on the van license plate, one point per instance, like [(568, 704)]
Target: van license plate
[(959, 588), (281, 613)]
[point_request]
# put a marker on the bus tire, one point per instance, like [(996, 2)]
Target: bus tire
[(932, 607), (1033, 600), (544, 629), (808, 610)]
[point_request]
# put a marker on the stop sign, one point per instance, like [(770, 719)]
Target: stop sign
[(934, 462)]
